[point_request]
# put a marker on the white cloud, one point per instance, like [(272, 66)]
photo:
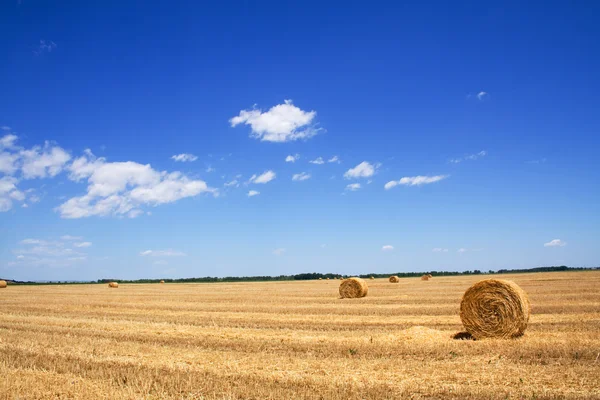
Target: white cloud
[(439, 250), (162, 253), (461, 250), (184, 157), (234, 182), (253, 193), (40, 162), (282, 123), (414, 181), (210, 169), (5, 128), (121, 188), (387, 247), (482, 95), (9, 192), (7, 141), (318, 161), (265, 177), (279, 252), (301, 176), (334, 159), (45, 46), (82, 244), (292, 158), (474, 156), (555, 243), (50, 253), (71, 238), (353, 187), (362, 170)]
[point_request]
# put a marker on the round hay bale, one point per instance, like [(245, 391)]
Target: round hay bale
[(162, 281), (320, 279), (372, 278), (113, 285), (495, 308), (3, 284), (394, 279), (327, 278), (425, 277), (352, 288), (430, 276)]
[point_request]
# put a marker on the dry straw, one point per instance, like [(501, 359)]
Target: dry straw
[(425, 277), (430, 276), (113, 285), (372, 278), (3, 284), (495, 308), (162, 281), (394, 279), (352, 288)]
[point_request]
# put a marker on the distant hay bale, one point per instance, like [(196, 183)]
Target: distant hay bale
[(113, 285), (430, 276), (425, 277), (394, 279), (327, 278), (320, 279), (352, 288), (372, 278), (495, 308), (162, 281), (3, 284)]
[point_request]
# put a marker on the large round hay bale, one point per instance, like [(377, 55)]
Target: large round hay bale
[(352, 288), (113, 285), (162, 281), (372, 278), (394, 279), (430, 276), (320, 279), (495, 308), (425, 277), (3, 284)]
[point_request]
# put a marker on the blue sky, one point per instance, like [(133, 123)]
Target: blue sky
[(150, 140)]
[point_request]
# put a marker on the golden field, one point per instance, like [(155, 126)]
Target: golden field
[(285, 340)]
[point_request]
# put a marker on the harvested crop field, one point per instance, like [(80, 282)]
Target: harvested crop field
[(294, 340)]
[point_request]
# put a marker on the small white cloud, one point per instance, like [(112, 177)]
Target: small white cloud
[(253, 193), (45, 46), (353, 187), (461, 250), (282, 123), (265, 177), (318, 161), (362, 170), (162, 253), (279, 252), (474, 156), (42, 162), (184, 157), (5, 128), (210, 169), (292, 158), (334, 159), (82, 244), (323, 246), (71, 238), (20, 257), (482, 95), (8, 141), (301, 176), (415, 181), (387, 247), (234, 182), (439, 250), (555, 243)]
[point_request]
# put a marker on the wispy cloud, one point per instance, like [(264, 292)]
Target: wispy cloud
[(234, 182), (334, 159), (353, 187), (439, 250), (162, 253), (482, 95), (292, 158), (415, 181), (253, 193), (45, 46), (265, 177), (318, 161), (362, 170), (474, 156), (555, 243), (71, 238), (184, 157), (387, 247), (82, 244), (279, 252), (301, 176), (281, 123)]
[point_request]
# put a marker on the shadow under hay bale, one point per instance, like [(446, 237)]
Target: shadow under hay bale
[(495, 308), (463, 336), (352, 288), (394, 279)]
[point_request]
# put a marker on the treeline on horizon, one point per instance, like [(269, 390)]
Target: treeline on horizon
[(313, 276)]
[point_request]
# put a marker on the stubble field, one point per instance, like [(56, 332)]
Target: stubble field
[(283, 340)]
